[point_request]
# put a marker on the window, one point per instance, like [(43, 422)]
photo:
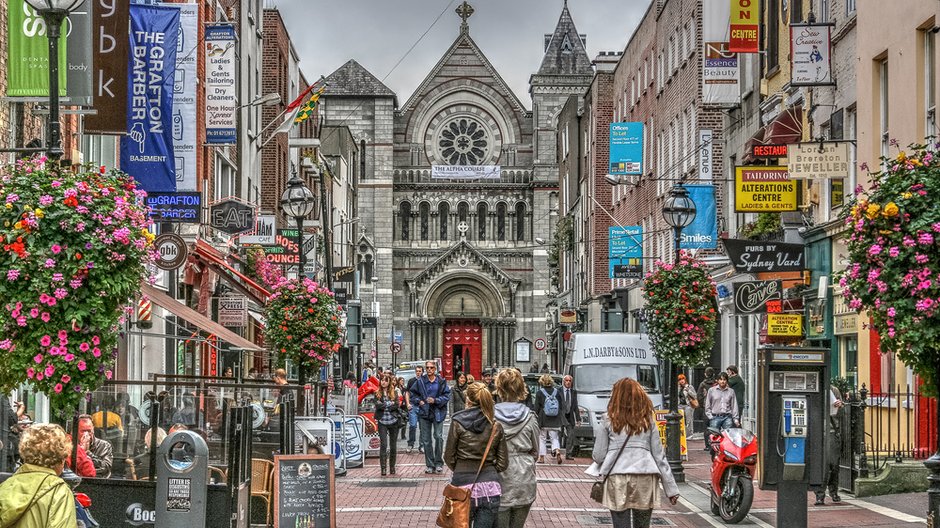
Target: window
[(501, 221), (481, 221), (404, 217), (520, 221), (224, 179), (823, 16), (883, 107), (425, 212), (849, 7), (930, 83), (773, 37)]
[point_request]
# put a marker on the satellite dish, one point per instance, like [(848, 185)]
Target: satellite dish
[(258, 416), (146, 407)]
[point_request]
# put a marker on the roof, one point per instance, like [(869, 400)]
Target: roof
[(352, 79), (565, 53)]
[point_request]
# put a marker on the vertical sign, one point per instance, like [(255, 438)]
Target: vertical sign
[(705, 155), (147, 151), (109, 34), (702, 233), (811, 54), (184, 99), (744, 26), (79, 54), (720, 64), (28, 59), (625, 252), (626, 148), (220, 85)]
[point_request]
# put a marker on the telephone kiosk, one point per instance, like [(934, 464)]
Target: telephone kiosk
[(793, 406)]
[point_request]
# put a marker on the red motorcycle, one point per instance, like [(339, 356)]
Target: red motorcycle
[(734, 455)]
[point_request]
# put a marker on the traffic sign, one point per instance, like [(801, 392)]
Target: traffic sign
[(395, 348), (540, 344)]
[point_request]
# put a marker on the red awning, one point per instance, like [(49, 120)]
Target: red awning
[(786, 128), (756, 139), (216, 261)]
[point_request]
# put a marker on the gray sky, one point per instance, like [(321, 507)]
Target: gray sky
[(377, 33)]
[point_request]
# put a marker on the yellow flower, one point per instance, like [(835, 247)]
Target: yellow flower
[(18, 225), (906, 196), (8, 206), (872, 211), (890, 210), (901, 157), (28, 207), (39, 213)]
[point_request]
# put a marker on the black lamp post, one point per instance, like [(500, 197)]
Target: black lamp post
[(678, 211), (53, 13)]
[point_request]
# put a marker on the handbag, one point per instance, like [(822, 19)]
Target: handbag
[(693, 403), (597, 489), (455, 512)]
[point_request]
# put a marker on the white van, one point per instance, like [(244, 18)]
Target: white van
[(597, 361)]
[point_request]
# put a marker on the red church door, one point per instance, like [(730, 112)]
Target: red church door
[(463, 348)]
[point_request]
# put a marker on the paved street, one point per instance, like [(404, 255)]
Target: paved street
[(411, 499)]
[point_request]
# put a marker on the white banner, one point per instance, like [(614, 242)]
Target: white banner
[(263, 234), (465, 172), (815, 161), (720, 67), (184, 98), (221, 101), (811, 52), (705, 155)]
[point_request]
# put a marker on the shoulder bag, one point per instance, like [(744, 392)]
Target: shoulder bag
[(597, 489), (455, 512)]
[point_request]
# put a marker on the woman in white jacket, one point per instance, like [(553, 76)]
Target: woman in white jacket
[(639, 469)]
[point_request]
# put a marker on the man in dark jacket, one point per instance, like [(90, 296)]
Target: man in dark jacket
[(430, 393), (736, 383), (569, 406), (707, 383)]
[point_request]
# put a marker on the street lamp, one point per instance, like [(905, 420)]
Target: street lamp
[(298, 202), (54, 12), (678, 211)]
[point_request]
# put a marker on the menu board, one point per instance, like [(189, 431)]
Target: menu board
[(303, 491)]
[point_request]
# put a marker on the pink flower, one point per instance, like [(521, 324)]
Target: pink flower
[(95, 340), (96, 352), (66, 378), (56, 249), (875, 249), (60, 293), (57, 388), (30, 372), (38, 358), (50, 370), (13, 274), (45, 317), (63, 334), (45, 341), (69, 357), (892, 312), (6, 344), (84, 347), (34, 312), (50, 263), (924, 239), (924, 304), (921, 259), (894, 251), (108, 374), (81, 365)]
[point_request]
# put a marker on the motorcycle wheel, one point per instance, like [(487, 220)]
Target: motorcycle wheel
[(734, 510)]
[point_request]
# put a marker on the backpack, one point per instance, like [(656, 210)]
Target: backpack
[(551, 402)]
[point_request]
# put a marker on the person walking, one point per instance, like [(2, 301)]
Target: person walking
[(413, 410), (572, 416), (721, 405), (708, 382), (431, 393), (476, 443), (386, 414), (35, 496), (521, 429), (458, 397), (833, 443), (736, 383), (629, 454), (687, 403), (548, 406)]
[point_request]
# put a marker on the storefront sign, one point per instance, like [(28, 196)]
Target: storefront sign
[(28, 53), (818, 161), (846, 324), (110, 33), (263, 233), (705, 155), (784, 325), (221, 86), (231, 216), (625, 252), (720, 65), (702, 233), (768, 151), (758, 297), (523, 350), (79, 56), (284, 250), (184, 99), (172, 251), (178, 207), (763, 190), (811, 54), (626, 148), (745, 16), (748, 256), (567, 316), (233, 311), (465, 172)]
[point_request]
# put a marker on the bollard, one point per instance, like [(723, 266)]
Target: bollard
[(182, 478)]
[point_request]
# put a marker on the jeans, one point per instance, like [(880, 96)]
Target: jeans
[(388, 445), (484, 512), (721, 422), (433, 453), (640, 518), (514, 517), (412, 425)]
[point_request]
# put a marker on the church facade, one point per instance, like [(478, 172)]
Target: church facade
[(458, 202)]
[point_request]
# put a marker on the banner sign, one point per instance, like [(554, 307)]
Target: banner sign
[(626, 148), (749, 256), (231, 216), (233, 310), (79, 54), (465, 172), (284, 250), (745, 15), (702, 233), (811, 54), (109, 33), (720, 65), (28, 53), (147, 151), (818, 161), (784, 325), (759, 189), (625, 252), (184, 99), (705, 155), (263, 233), (758, 297), (221, 85), (179, 207)]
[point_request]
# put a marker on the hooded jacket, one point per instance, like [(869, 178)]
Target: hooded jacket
[(466, 443), (35, 497), (521, 429)]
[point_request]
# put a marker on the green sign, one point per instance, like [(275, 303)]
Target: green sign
[(28, 59)]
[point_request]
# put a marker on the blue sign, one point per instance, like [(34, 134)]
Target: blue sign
[(625, 252), (180, 207), (626, 148), (147, 150), (702, 233)]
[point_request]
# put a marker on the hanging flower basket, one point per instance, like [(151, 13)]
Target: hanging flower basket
[(75, 247), (303, 323)]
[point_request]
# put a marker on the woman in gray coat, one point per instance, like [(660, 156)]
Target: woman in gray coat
[(521, 429)]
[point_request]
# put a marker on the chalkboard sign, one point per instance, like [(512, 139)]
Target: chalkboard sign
[(303, 491)]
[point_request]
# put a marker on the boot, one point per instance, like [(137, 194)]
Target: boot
[(382, 462)]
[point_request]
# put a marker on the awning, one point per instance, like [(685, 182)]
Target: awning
[(200, 321), (756, 139), (216, 262), (786, 128)]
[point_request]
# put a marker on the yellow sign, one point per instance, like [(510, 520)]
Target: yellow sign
[(763, 190), (661, 425), (784, 325)]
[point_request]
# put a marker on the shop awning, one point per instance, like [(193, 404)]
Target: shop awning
[(786, 128), (195, 318), (216, 262), (756, 140)]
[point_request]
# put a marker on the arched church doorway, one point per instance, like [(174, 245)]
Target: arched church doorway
[(463, 348)]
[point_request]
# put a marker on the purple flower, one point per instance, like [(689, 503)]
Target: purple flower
[(50, 263), (892, 312), (61, 293), (924, 239), (921, 259), (13, 274), (45, 200), (894, 251), (875, 249), (57, 277)]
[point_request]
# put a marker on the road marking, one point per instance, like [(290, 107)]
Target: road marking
[(706, 517), (884, 510), (707, 493)]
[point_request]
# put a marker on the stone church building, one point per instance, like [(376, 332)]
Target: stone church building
[(458, 201)]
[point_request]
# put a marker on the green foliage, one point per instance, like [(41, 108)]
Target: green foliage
[(563, 240), (303, 323), (766, 224)]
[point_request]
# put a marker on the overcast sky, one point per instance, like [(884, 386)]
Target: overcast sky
[(377, 33)]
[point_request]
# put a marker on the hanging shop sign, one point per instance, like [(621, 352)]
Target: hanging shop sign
[(28, 53), (568, 316), (109, 33), (811, 54), (172, 251), (720, 74), (626, 149), (184, 99), (745, 16), (231, 216), (758, 297), (784, 325), (233, 311), (345, 274), (760, 189), (749, 256), (702, 233), (818, 161), (79, 54), (263, 233), (705, 155), (178, 207), (625, 252), (284, 250), (221, 88), (768, 151), (465, 172)]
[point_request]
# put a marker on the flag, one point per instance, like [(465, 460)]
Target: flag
[(307, 109), (290, 113)]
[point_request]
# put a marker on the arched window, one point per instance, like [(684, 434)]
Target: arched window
[(443, 214), (481, 221), (404, 216), (501, 221), (520, 221), (463, 211), (425, 212)]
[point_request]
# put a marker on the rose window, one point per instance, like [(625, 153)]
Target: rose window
[(463, 142)]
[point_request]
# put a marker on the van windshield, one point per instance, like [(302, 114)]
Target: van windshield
[(600, 378)]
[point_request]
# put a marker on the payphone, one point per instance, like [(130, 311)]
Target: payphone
[(793, 434)]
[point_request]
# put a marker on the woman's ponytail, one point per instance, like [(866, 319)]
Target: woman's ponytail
[(479, 395)]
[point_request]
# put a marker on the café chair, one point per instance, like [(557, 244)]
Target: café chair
[(262, 484)]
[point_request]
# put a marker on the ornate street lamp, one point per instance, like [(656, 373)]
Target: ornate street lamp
[(679, 212), (298, 202), (54, 12)]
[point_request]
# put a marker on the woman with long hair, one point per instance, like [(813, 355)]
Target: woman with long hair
[(628, 449), (387, 402), (549, 424), (521, 429), (458, 397), (469, 434)]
